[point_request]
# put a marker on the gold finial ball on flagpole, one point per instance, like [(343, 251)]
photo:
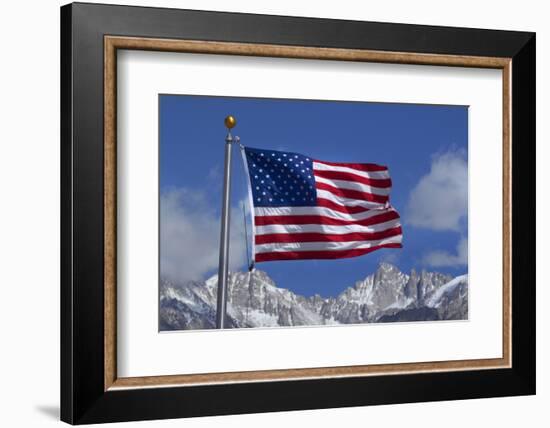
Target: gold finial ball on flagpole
[(230, 122)]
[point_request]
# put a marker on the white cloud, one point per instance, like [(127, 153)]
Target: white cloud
[(446, 259), (439, 201), (391, 257), (215, 174), (189, 236)]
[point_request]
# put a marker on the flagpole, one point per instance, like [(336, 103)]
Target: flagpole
[(221, 309)]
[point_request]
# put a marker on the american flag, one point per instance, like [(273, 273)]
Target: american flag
[(310, 209)]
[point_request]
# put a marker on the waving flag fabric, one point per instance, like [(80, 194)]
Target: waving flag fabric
[(310, 209)]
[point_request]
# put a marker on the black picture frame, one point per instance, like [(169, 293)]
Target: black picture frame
[(83, 398)]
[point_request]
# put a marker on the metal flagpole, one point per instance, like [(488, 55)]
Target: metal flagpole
[(230, 123), (248, 264)]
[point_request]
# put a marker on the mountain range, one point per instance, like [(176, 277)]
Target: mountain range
[(254, 300)]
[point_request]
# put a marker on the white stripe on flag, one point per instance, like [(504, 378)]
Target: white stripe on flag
[(354, 185), (325, 212), (367, 174), (323, 228), (324, 246), (348, 201)]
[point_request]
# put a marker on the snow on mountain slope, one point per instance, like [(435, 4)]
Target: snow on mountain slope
[(435, 299)]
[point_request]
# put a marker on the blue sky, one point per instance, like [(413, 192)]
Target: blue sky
[(424, 146)]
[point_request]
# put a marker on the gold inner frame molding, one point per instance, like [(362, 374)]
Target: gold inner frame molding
[(113, 43)]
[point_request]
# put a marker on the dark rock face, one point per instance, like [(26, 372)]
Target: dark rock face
[(413, 314), (254, 300)]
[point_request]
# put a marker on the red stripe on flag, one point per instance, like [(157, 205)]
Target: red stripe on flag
[(335, 254), (359, 166), (352, 194), (348, 176), (325, 237), (319, 219)]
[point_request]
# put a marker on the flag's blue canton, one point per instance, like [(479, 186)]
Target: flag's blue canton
[(280, 178)]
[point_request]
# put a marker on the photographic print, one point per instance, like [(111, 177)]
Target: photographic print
[(336, 212)]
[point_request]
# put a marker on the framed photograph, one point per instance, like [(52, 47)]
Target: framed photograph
[(266, 213)]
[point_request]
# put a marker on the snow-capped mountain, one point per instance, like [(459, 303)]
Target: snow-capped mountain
[(254, 300)]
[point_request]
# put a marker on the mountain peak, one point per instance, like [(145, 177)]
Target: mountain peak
[(387, 267)]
